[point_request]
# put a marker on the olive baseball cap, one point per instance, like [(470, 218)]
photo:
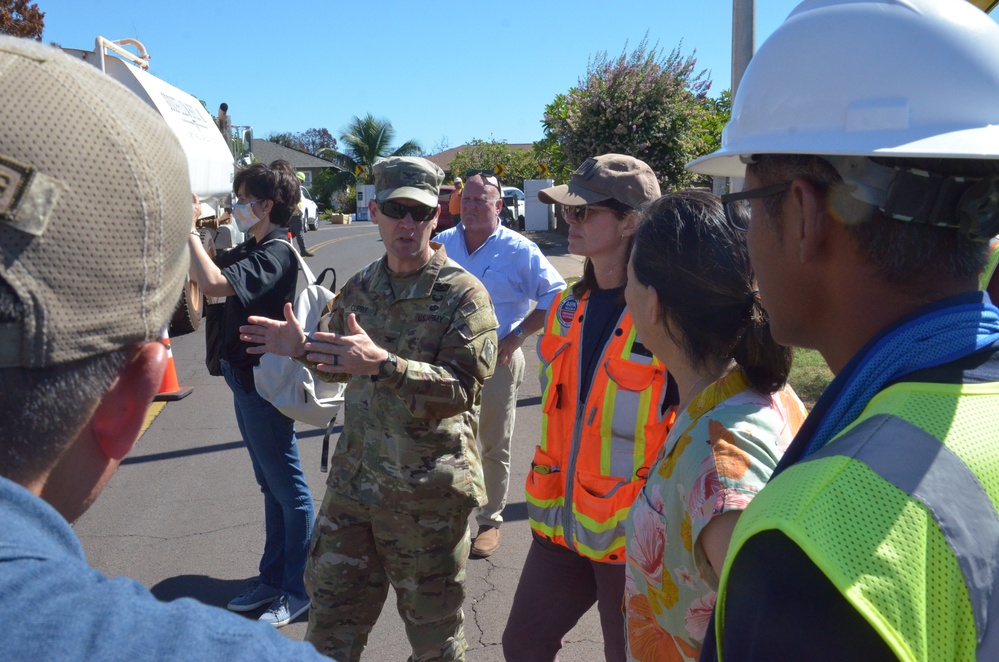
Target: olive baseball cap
[(95, 209), (408, 177), (618, 176)]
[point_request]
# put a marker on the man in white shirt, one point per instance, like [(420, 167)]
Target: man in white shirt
[(515, 273)]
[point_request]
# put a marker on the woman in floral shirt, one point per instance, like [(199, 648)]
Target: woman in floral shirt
[(690, 290)]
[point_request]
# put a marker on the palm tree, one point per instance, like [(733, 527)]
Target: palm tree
[(365, 141)]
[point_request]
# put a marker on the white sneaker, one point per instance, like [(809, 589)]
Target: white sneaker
[(284, 609)]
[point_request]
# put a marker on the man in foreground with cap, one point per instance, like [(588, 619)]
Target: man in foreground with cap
[(868, 134), (84, 297), (414, 336), (515, 272)]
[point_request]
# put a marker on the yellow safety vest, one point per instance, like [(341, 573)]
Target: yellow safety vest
[(899, 512)]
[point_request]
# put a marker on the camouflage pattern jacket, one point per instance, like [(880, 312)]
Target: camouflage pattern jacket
[(409, 442)]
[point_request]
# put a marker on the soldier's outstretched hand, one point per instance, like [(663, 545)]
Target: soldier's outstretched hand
[(284, 338), (353, 353)]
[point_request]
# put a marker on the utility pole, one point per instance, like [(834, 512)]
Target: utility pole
[(743, 47)]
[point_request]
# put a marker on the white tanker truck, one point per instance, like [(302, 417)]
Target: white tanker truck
[(212, 148)]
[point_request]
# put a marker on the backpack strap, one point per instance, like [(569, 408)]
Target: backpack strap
[(310, 277)]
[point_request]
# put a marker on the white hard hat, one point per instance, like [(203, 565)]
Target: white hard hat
[(891, 78)]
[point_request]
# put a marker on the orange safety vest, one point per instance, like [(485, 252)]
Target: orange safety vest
[(454, 202), (593, 461)]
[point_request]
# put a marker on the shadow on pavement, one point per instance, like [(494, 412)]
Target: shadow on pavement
[(207, 590), (201, 450)]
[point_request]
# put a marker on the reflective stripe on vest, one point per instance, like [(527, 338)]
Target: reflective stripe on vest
[(932, 474), (589, 464)]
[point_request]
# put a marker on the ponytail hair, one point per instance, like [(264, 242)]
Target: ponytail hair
[(699, 266)]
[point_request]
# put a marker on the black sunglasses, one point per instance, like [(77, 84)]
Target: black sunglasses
[(737, 204), (420, 213)]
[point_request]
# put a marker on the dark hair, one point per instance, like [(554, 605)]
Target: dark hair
[(277, 183), (588, 282), (699, 267), (899, 251), (43, 409)]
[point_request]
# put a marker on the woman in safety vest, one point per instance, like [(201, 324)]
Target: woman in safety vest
[(691, 294), (606, 413)]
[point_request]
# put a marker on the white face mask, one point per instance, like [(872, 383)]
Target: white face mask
[(243, 213)]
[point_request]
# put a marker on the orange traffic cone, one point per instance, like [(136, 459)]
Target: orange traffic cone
[(170, 389)]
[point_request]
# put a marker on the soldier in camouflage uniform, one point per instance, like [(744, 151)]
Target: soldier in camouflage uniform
[(414, 335)]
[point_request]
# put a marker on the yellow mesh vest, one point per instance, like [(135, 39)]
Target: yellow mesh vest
[(878, 545)]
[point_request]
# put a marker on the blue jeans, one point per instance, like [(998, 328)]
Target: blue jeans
[(288, 511)]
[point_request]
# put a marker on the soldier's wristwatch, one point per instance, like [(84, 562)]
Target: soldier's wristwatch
[(388, 367)]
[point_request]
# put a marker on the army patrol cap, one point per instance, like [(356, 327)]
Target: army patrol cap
[(610, 176), (409, 177), (95, 211)]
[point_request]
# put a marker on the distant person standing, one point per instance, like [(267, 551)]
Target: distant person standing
[(297, 225), (515, 273), (454, 202)]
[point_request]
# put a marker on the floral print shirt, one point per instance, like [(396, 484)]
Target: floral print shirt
[(718, 455)]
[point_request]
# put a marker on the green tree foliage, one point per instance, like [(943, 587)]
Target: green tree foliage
[(20, 19), (310, 141), (325, 187), (289, 140), (548, 150), (719, 111), (316, 140), (365, 140), (344, 200), (646, 104), (518, 164)]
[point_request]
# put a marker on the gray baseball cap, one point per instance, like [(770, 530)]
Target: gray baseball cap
[(408, 177), (95, 209), (623, 178)]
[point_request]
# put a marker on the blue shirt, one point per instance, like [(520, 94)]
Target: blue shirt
[(53, 606), (512, 268)]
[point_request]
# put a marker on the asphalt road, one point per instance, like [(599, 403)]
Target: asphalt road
[(184, 517)]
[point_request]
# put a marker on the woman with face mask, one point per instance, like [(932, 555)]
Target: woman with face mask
[(258, 277)]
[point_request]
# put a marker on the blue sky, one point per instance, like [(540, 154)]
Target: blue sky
[(442, 74)]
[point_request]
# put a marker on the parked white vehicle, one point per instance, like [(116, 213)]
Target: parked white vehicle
[(310, 212)]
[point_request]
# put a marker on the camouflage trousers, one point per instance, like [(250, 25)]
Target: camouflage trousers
[(357, 551)]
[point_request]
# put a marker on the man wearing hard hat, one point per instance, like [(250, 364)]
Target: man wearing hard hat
[(868, 135)]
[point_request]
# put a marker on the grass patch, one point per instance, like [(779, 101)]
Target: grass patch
[(809, 375)]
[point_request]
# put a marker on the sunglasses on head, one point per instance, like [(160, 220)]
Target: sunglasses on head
[(486, 175), (419, 213)]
